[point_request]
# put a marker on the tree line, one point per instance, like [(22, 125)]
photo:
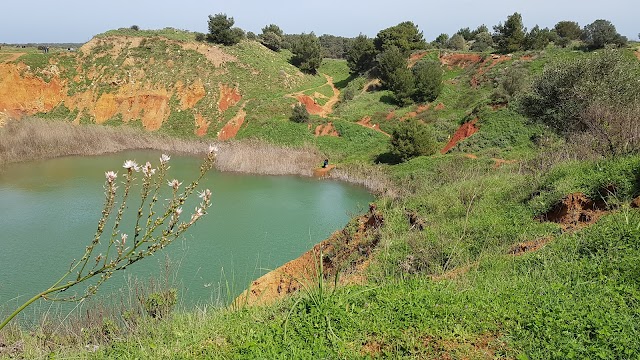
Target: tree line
[(507, 37)]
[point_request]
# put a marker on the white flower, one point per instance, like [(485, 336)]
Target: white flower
[(148, 170), (111, 176), (178, 211), (124, 238), (199, 212), (205, 194), (213, 149), (164, 158), (131, 165), (175, 184)]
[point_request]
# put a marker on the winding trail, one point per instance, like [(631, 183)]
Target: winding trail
[(310, 102)]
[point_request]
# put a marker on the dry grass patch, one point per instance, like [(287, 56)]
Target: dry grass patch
[(32, 138)]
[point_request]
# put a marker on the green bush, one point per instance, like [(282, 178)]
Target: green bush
[(361, 55), (221, 30), (160, 304), (596, 94), (428, 80), (299, 114), (412, 139), (306, 53)]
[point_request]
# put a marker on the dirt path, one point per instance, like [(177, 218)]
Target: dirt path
[(310, 102), (11, 56)]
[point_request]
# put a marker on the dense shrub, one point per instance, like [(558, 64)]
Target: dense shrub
[(412, 139), (271, 37), (404, 36), (361, 55), (221, 30), (306, 53), (299, 114), (510, 37), (600, 33), (428, 80), (597, 94)]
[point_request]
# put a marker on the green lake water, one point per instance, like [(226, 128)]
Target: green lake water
[(49, 211)]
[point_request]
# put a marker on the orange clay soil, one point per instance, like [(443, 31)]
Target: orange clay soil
[(229, 97), (326, 130), (366, 122), (22, 93), (460, 60), (231, 128), (322, 172), (202, 125), (637, 52), (345, 251), (466, 130), (575, 211)]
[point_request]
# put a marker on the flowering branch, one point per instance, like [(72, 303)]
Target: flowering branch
[(146, 241)]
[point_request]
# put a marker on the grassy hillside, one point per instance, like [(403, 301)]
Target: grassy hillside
[(517, 243)]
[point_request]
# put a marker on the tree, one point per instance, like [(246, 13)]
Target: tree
[(412, 139), (135, 28), (334, 47), (569, 30), (271, 40), (271, 37), (480, 29), (510, 37), (428, 80), (405, 36), (221, 30), (457, 42), (361, 55), (306, 53), (299, 114), (395, 75), (600, 33), (537, 39), (441, 41), (466, 33), (273, 28), (482, 41), (387, 63), (401, 83)]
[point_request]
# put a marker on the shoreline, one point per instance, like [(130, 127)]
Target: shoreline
[(32, 138)]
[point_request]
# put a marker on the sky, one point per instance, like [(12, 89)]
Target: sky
[(76, 21)]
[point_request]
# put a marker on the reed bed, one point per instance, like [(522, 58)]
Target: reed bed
[(257, 157), (31, 139), (374, 178)]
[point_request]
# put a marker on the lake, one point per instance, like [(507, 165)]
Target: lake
[(49, 211)]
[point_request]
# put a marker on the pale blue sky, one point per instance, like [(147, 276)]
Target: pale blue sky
[(78, 20)]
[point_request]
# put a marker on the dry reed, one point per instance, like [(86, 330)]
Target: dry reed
[(374, 178), (256, 157), (32, 139)]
